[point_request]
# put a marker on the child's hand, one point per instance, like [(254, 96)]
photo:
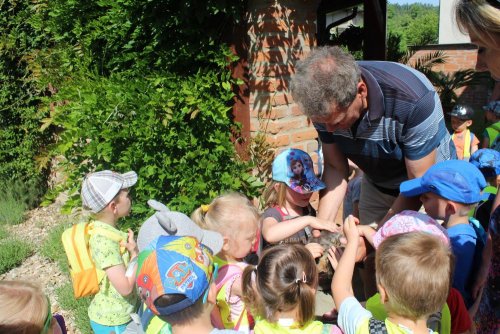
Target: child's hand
[(130, 244), (321, 224), (334, 255), (351, 230), (315, 249)]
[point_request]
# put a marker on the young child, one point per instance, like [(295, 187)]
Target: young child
[(453, 318), (492, 115), (488, 162), (106, 195), (351, 200), (413, 277), (176, 281), (289, 217), (281, 289), (448, 191), (465, 141), (170, 223), (236, 218), (25, 309)]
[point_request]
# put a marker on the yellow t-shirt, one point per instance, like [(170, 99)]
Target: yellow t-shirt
[(108, 307)]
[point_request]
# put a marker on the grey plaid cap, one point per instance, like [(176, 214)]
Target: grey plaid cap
[(99, 188)]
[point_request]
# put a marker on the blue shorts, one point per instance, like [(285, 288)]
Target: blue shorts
[(101, 329)]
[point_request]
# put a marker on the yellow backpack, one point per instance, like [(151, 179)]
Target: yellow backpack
[(84, 274)]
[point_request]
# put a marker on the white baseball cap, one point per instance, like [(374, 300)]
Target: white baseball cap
[(99, 188)]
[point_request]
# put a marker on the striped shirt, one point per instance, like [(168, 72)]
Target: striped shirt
[(404, 120)]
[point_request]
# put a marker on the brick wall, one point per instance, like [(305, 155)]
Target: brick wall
[(459, 57), (281, 32)]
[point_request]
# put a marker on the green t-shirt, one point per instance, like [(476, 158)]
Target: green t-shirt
[(108, 307)]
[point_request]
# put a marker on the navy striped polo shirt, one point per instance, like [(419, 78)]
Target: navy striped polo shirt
[(404, 120)]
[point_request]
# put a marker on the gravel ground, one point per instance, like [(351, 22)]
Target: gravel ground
[(37, 268)]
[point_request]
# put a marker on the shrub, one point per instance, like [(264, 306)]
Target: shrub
[(20, 138), (12, 253), (151, 95), (175, 132), (16, 198)]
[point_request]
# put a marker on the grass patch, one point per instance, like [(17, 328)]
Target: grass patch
[(11, 210), (17, 197), (12, 253), (3, 232), (53, 249), (78, 307)]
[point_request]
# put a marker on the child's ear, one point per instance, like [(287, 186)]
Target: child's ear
[(112, 206), (212, 294), (469, 123), (450, 209), (383, 294), (225, 245)]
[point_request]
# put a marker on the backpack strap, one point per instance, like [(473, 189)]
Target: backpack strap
[(232, 271), (111, 235), (377, 326)]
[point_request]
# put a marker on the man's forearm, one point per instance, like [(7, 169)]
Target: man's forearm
[(332, 196), (401, 203)]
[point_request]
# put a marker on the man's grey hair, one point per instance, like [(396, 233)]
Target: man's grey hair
[(327, 76)]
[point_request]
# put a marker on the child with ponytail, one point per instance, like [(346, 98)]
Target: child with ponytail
[(236, 219), (280, 291)]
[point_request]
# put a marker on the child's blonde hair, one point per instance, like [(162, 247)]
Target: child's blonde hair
[(286, 277), (414, 269), (224, 212), (24, 308), (275, 194)]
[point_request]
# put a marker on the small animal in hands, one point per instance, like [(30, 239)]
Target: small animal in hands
[(325, 270)]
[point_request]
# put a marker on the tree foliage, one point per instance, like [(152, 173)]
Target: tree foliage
[(416, 24), (20, 138), (141, 86)]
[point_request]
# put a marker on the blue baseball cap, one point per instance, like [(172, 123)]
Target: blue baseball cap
[(487, 160), (294, 167), (493, 106), (456, 180)]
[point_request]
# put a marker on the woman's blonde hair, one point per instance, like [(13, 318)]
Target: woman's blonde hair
[(226, 213), (415, 269), (286, 277), (480, 18), (275, 194), (23, 308)]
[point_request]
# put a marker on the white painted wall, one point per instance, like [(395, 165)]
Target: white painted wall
[(448, 30)]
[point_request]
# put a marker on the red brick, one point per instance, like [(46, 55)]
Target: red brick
[(260, 99), (312, 146), (271, 70), (278, 140), (269, 84), (281, 56), (285, 124), (304, 134), (268, 112), (295, 110)]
